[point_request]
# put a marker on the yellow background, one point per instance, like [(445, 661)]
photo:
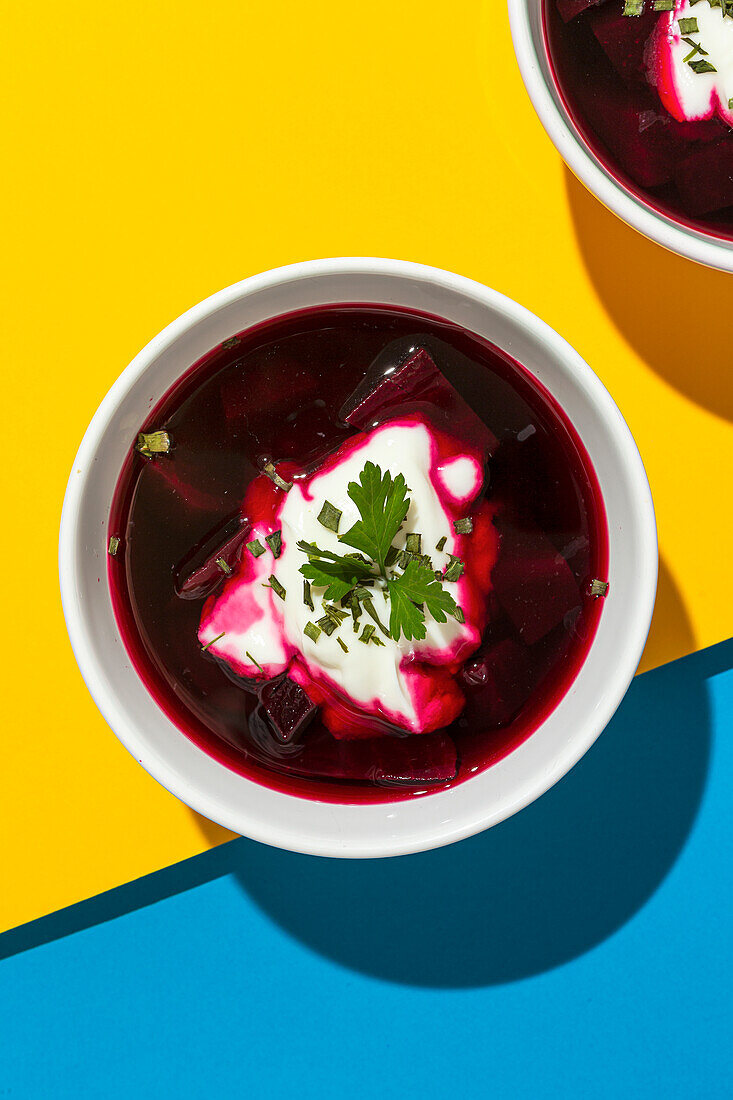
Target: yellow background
[(155, 153)]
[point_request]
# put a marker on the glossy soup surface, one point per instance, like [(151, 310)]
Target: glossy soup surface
[(274, 392)]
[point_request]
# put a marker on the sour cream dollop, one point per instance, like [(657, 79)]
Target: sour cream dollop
[(687, 95), (409, 684)]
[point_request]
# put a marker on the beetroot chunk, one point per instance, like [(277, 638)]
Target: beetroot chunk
[(288, 708), (705, 178), (415, 382), (533, 582), (386, 761), (201, 579), (623, 39), (498, 681)]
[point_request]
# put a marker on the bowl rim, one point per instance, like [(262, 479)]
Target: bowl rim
[(439, 832), (672, 235)]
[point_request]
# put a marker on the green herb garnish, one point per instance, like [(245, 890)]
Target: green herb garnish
[(343, 645), (255, 548), (230, 342), (224, 566), (276, 587), (382, 503), (413, 544), (634, 7), (441, 542), (248, 654), (688, 26), (463, 526), (312, 631), (275, 542), (391, 557), (216, 639), (113, 545), (153, 443), (458, 615), (417, 585), (702, 67), (274, 476), (663, 5), (307, 595), (598, 588), (454, 570), (327, 624), (329, 517)]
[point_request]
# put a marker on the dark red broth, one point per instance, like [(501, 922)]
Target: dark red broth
[(275, 391), (682, 169)]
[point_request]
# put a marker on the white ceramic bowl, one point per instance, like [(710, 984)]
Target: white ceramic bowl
[(358, 830), (529, 44)]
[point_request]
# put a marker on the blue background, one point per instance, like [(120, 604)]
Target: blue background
[(583, 948)]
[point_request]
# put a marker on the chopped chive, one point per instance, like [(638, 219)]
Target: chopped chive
[(276, 587), (441, 542), (216, 639), (463, 526), (224, 566), (438, 575), (153, 443), (327, 624), (688, 26), (355, 612), (404, 558), (312, 631), (343, 645), (274, 476), (598, 588), (248, 654), (455, 569), (371, 612), (255, 548), (413, 544), (634, 7), (702, 67), (367, 633), (307, 595), (334, 613), (391, 556), (113, 546), (663, 5), (329, 517), (275, 542), (230, 342), (458, 615), (730, 104)]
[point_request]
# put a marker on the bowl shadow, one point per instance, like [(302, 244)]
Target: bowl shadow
[(532, 893), (634, 277)]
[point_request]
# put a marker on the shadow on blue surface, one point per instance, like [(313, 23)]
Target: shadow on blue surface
[(532, 893)]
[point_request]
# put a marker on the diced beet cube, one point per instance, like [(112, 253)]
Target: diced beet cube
[(533, 582), (623, 39), (415, 382), (633, 127), (571, 9), (386, 761), (201, 579), (498, 681), (705, 178), (288, 708)]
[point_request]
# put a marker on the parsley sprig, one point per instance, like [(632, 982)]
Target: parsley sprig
[(349, 579)]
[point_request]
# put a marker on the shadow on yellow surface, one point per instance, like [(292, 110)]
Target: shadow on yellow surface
[(674, 313)]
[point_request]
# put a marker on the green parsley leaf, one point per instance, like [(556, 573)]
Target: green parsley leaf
[(383, 503), (417, 585)]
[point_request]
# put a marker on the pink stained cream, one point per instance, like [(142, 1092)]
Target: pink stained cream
[(316, 393)]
